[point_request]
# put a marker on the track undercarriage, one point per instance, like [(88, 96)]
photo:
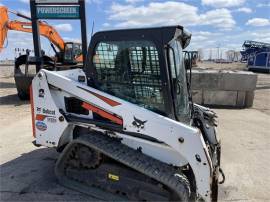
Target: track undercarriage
[(94, 163)]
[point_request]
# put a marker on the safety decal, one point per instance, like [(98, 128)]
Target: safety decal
[(41, 93), (42, 117), (41, 126), (51, 119), (113, 117), (138, 123), (45, 111), (38, 109), (109, 101), (48, 111), (113, 177)]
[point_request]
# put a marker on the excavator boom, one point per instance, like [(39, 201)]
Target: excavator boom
[(3, 28), (44, 29)]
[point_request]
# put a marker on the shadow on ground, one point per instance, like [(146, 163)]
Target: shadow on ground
[(262, 87), (12, 100), (7, 85), (30, 177)]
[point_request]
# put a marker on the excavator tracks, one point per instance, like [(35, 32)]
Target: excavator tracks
[(151, 168)]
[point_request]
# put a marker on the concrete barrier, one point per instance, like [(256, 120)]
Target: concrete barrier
[(223, 88)]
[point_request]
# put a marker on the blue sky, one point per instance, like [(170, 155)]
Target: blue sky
[(213, 23)]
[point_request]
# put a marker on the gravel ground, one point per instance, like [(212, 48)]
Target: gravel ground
[(27, 171)]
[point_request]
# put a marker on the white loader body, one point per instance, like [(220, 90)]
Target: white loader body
[(179, 145)]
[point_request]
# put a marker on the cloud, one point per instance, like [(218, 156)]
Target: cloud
[(106, 24), (263, 5), (17, 36), (244, 10), (94, 1), (16, 39), (70, 39), (21, 19), (222, 3), (262, 35), (63, 27), (133, 1), (25, 12), (168, 13), (202, 39), (258, 22), (201, 35), (24, 1), (209, 41), (220, 18)]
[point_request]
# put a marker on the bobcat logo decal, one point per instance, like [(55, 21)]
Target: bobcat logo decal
[(138, 123)]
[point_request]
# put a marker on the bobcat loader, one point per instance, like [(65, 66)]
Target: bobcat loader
[(126, 126)]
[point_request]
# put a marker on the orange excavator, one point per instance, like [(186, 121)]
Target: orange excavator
[(67, 53)]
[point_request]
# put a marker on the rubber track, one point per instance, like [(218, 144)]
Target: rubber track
[(140, 162)]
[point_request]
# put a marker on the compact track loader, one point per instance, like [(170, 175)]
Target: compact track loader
[(126, 126)]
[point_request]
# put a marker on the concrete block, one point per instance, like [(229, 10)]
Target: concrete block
[(249, 98), (224, 87), (241, 81), (220, 98), (206, 80), (241, 99), (197, 96), (223, 80)]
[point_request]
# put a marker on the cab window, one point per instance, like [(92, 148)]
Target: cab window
[(130, 70)]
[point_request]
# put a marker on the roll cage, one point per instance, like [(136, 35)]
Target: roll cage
[(160, 37)]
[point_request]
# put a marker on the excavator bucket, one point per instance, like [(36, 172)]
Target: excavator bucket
[(3, 28)]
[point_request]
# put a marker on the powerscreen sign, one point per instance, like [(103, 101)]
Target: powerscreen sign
[(56, 9), (58, 12)]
